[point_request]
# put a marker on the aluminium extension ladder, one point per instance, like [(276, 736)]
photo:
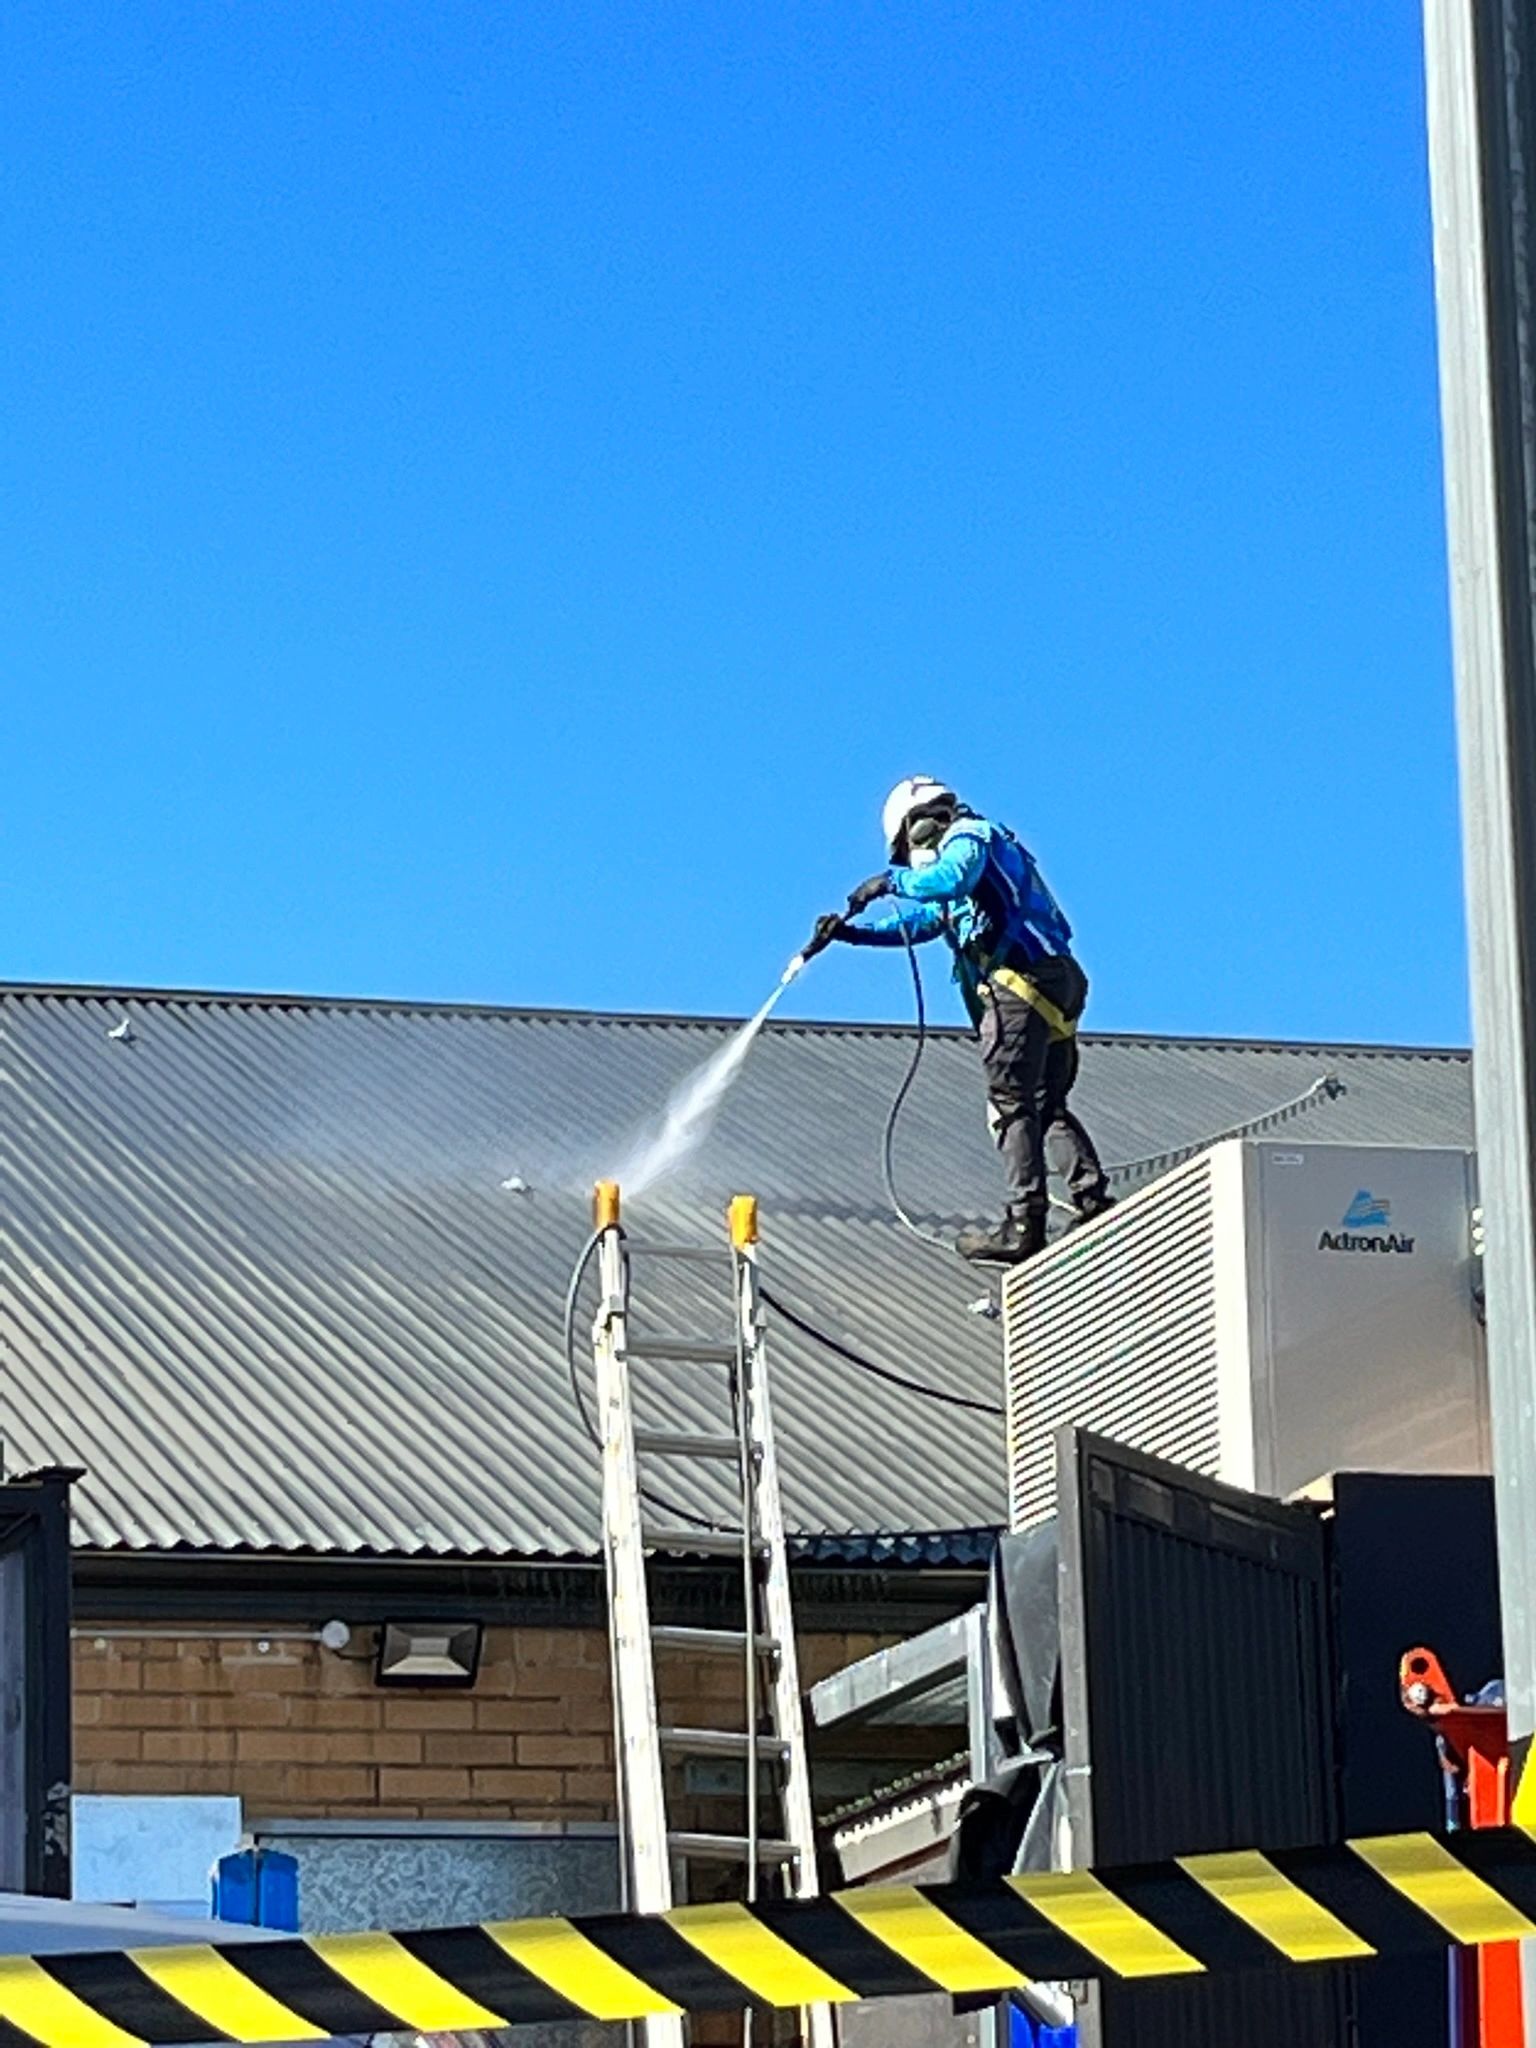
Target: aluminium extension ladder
[(636, 1461)]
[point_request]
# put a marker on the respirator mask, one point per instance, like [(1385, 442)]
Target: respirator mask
[(924, 831)]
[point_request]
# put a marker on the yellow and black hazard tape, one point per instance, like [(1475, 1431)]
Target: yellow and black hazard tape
[(1386, 1896)]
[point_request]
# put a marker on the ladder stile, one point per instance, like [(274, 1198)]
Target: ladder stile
[(775, 1849), (798, 1815), (643, 1846), (750, 1469)]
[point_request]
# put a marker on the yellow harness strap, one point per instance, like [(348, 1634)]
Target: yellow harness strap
[(1062, 1026)]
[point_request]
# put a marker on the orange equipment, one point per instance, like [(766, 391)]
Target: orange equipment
[(1473, 1741)]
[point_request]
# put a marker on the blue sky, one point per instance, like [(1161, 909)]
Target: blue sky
[(493, 496)]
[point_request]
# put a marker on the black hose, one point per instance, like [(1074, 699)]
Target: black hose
[(573, 1290), (881, 1372), (893, 1114)]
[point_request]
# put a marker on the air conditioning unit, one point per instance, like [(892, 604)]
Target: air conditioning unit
[(1268, 1314)]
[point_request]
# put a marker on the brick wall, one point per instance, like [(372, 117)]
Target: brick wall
[(295, 1730)]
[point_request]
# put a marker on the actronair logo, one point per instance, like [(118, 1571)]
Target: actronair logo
[(1364, 1228), (1367, 1212)]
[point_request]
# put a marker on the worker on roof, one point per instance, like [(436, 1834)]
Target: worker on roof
[(958, 877)]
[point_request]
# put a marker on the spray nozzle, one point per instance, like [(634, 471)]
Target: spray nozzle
[(826, 930)]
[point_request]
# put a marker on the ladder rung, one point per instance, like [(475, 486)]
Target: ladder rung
[(712, 1642), (731, 1848), (681, 1443), (704, 1542), (682, 1350), (703, 1254), (724, 1742)]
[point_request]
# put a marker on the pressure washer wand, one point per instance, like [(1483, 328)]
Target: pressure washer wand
[(825, 932)]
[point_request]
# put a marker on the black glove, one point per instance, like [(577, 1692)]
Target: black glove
[(869, 892), (827, 929)]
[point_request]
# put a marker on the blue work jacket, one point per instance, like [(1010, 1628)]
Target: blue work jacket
[(983, 895)]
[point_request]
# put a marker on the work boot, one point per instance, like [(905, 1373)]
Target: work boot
[(1091, 1206), (1015, 1239)]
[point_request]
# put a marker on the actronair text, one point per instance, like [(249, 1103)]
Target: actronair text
[(1359, 1241)]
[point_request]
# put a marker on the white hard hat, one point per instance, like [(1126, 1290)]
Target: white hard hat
[(908, 796)]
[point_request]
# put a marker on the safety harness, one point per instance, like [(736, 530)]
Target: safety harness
[(1062, 1026)]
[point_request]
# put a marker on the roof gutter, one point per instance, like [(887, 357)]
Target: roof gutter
[(306, 1591)]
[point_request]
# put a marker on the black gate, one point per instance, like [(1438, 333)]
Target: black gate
[(35, 1683), (1198, 1693)]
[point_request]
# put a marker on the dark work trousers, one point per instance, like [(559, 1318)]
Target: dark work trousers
[(1031, 1065)]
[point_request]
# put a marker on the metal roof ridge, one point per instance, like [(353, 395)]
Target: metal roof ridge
[(1321, 1048), (552, 1013), (686, 1020)]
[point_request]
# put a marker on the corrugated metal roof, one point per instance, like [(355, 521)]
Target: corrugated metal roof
[(261, 1276)]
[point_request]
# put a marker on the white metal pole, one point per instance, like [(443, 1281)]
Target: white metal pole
[(1482, 128), (1478, 56)]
